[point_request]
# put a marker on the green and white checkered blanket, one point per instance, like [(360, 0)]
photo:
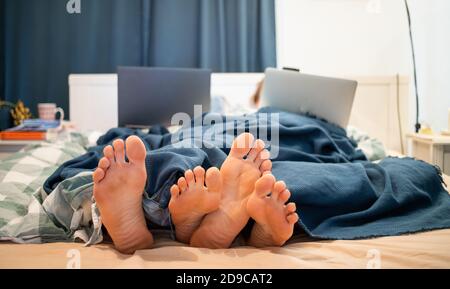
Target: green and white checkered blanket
[(23, 217)]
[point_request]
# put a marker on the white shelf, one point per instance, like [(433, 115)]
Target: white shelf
[(434, 149)]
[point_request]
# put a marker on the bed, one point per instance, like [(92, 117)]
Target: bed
[(422, 250)]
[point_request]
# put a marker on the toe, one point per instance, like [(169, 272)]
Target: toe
[(279, 187), (182, 184), (256, 150), (119, 151), (262, 157), (292, 218), (242, 145), (290, 208), (174, 191), (284, 196), (199, 173), (136, 151), (266, 166), (108, 151), (264, 185), (98, 175), (189, 176), (213, 180), (103, 164)]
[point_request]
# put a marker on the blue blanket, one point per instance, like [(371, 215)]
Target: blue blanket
[(338, 193)]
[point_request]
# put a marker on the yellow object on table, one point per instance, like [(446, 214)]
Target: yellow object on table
[(426, 130)]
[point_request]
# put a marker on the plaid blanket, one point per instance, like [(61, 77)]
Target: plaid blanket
[(23, 218)]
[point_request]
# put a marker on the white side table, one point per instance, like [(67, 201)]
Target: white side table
[(434, 149), (8, 147)]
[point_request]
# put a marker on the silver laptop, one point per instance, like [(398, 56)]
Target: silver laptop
[(150, 95), (324, 97)]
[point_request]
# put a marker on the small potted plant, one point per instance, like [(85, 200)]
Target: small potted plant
[(12, 114)]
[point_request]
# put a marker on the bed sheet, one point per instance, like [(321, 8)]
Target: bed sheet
[(422, 250)]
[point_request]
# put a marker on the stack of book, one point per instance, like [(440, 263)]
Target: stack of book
[(30, 129)]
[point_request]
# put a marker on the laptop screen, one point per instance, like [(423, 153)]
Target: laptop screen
[(148, 95)]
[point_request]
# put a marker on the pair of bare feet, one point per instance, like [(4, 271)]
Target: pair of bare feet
[(208, 209)]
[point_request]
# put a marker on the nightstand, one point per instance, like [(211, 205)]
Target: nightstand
[(434, 149), (8, 147)]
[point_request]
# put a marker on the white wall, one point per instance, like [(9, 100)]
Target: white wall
[(432, 39), (370, 37), (341, 37)]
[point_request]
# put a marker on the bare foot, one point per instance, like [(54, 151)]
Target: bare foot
[(118, 190), (191, 200), (247, 161), (274, 220)]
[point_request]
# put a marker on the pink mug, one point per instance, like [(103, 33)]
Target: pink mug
[(47, 111)]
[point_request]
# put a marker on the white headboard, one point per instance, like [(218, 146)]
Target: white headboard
[(93, 102), (380, 106)]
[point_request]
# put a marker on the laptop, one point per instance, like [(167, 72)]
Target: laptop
[(149, 95), (324, 97)]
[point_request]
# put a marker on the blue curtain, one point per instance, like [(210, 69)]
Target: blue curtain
[(2, 53), (42, 43)]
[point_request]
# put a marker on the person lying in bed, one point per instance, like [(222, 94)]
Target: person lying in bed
[(209, 209)]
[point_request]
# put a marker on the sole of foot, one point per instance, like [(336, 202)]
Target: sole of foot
[(195, 195), (274, 219), (248, 160), (118, 190)]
